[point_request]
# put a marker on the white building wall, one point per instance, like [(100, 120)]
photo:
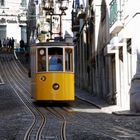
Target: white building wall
[(97, 9), (131, 22), (13, 30), (83, 2), (131, 25), (135, 86), (12, 11), (66, 21)]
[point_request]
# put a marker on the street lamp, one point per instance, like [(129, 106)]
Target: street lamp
[(49, 8)]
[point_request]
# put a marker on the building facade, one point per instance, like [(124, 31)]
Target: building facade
[(107, 50), (13, 19), (83, 29), (49, 20), (124, 22)]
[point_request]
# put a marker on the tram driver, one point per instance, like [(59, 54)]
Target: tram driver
[(55, 63)]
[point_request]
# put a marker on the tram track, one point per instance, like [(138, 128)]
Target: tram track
[(62, 118), (19, 86), (24, 70), (28, 106), (55, 112), (36, 113), (58, 112), (17, 72), (17, 68)]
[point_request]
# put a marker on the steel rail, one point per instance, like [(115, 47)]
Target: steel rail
[(26, 137), (17, 74), (62, 118), (63, 129), (38, 135), (43, 120)]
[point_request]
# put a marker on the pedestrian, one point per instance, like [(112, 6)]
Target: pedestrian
[(0, 45), (7, 43), (12, 43), (22, 45), (4, 45)]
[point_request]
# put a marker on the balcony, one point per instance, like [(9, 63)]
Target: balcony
[(116, 23)]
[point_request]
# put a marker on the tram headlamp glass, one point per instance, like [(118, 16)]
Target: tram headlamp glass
[(55, 86), (43, 78)]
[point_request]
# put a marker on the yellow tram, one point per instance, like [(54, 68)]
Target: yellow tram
[(52, 71)]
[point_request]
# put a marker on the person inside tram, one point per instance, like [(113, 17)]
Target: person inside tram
[(55, 63), (0, 44), (59, 64)]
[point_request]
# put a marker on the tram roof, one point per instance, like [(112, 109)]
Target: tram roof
[(53, 44)]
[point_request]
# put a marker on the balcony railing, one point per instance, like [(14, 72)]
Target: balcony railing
[(115, 11)]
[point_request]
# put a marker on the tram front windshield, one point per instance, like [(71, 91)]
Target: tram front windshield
[(53, 61)]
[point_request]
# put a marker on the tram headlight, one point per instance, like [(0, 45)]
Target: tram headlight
[(55, 86), (43, 78)]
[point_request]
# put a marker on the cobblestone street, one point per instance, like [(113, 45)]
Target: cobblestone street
[(84, 121), (69, 70)]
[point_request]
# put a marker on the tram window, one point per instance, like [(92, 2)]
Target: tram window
[(41, 53), (55, 56), (68, 60)]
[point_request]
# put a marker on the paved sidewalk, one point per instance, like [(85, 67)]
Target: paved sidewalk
[(101, 104)]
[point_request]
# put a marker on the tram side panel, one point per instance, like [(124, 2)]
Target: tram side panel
[(33, 69)]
